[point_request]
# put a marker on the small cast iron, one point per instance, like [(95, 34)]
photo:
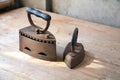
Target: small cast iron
[(74, 52), (36, 41)]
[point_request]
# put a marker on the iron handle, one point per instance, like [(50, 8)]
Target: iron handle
[(74, 39), (40, 14)]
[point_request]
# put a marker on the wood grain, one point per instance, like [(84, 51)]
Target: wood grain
[(102, 46)]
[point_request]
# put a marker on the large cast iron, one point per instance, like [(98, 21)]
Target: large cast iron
[(36, 41)]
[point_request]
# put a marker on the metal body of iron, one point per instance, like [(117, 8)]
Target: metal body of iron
[(74, 52), (36, 41)]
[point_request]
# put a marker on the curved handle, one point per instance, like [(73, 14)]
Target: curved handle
[(74, 39), (40, 14)]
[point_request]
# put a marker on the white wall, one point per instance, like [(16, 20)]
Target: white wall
[(34, 3), (101, 11)]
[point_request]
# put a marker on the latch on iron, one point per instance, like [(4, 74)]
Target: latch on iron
[(36, 41)]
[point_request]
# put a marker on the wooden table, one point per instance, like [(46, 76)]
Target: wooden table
[(102, 46)]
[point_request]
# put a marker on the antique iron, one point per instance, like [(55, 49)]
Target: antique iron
[(36, 41), (74, 52)]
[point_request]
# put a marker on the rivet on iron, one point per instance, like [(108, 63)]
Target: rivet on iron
[(74, 52)]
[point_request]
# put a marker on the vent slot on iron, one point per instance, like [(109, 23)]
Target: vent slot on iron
[(41, 53), (27, 48)]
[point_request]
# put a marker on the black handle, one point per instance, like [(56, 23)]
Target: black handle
[(40, 14), (74, 39)]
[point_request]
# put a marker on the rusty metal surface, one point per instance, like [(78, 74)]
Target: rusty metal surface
[(36, 41)]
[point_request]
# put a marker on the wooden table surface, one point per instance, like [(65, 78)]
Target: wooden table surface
[(102, 46)]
